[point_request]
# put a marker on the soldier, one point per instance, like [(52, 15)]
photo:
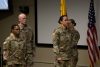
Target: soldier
[(26, 34), (76, 37), (13, 48), (62, 43)]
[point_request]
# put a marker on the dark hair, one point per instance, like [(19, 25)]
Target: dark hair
[(61, 18), (13, 26), (73, 21)]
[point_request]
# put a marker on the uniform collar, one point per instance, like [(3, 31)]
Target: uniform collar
[(13, 36)]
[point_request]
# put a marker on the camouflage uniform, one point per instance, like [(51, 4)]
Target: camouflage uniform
[(27, 35), (62, 46), (15, 51), (76, 37)]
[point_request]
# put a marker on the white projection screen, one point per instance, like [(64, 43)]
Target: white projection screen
[(48, 13), (4, 5)]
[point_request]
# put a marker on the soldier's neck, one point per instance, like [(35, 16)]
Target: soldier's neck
[(21, 26), (63, 26)]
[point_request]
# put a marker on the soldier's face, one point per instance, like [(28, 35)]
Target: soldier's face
[(65, 21), (22, 19), (70, 25), (16, 30)]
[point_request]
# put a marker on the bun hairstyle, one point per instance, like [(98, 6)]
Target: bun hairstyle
[(73, 22), (61, 18)]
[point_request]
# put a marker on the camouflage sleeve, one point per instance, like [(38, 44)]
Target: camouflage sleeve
[(76, 37), (6, 43), (55, 40), (5, 48), (32, 41)]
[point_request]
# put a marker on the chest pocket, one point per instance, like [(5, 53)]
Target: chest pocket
[(65, 36), (16, 45)]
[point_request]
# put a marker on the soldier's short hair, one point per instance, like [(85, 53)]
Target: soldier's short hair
[(13, 26)]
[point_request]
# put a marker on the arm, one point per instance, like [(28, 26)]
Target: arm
[(32, 41), (5, 48), (56, 40), (76, 37), (33, 44)]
